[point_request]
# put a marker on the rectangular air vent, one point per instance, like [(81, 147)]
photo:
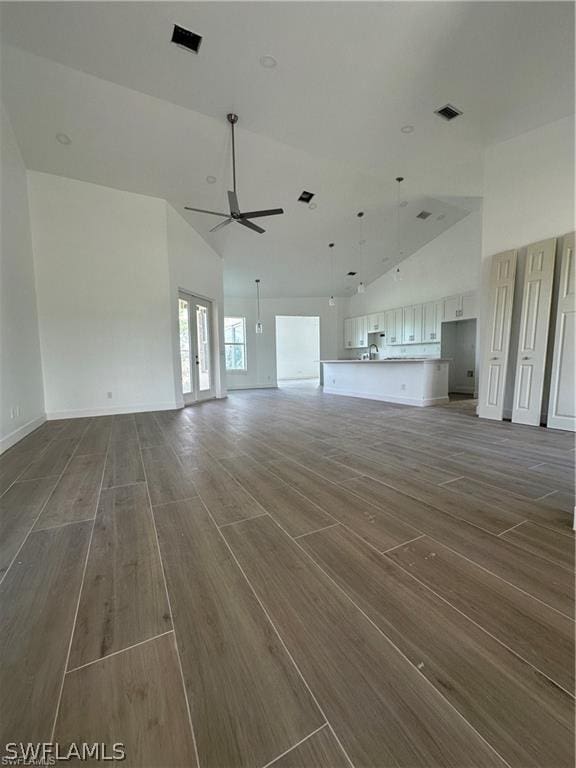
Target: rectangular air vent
[(423, 215), (448, 112), (186, 39), (305, 197), (351, 274)]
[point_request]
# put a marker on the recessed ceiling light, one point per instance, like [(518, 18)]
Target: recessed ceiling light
[(268, 62), (211, 179), (306, 197), (63, 138), (407, 129), (312, 206), (404, 203)]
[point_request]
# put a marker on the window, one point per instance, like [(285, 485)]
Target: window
[(235, 343)]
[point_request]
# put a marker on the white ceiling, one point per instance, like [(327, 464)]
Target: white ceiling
[(149, 117)]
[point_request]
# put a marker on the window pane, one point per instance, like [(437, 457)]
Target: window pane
[(235, 357), (234, 330), (203, 342), (184, 346)]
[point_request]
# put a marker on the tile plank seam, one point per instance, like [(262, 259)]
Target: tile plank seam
[(571, 694), (39, 456), (277, 633), (294, 746), (478, 565), (79, 596), (378, 506), (188, 708), (42, 507), (116, 653), (391, 642)]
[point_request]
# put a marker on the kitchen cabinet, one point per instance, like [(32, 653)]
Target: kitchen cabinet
[(393, 320), (460, 307), (361, 331), (355, 332), (433, 314), (376, 323), (412, 324), (349, 332)]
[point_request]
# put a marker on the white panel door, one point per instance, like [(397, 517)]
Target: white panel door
[(561, 409), (533, 341), (495, 362)]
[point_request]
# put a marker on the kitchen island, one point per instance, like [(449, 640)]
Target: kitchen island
[(409, 380)]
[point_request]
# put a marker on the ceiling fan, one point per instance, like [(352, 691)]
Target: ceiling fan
[(235, 213)]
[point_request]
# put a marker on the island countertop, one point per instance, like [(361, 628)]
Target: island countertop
[(394, 360)]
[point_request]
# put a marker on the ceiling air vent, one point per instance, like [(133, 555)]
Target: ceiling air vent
[(186, 39), (351, 274), (423, 215), (448, 112), (305, 197)]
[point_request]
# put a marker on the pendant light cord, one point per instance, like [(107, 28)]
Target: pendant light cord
[(233, 160), (258, 297)]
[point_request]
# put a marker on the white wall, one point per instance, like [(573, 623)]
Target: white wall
[(261, 348), (298, 347), (529, 196), (195, 268), (103, 297), (21, 388)]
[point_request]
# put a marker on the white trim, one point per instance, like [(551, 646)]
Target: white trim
[(253, 386), (14, 437), (113, 411), (389, 398)]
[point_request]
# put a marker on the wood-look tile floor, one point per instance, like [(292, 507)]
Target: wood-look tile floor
[(294, 579)]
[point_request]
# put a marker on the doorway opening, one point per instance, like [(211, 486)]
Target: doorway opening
[(459, 347), (195, 338), (297, 350)]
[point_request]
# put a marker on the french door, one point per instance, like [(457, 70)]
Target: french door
[(195, 336)]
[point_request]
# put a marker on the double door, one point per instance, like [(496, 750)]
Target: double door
[(195, 337)]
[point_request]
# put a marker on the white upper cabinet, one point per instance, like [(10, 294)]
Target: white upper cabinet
[(460, 307), (361, 331), (376, 323), (452, 306), (433, 314), (412, 324)]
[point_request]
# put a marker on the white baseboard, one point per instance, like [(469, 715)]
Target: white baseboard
[(117, 410), (390, 398), (253, 386), (21, 432)]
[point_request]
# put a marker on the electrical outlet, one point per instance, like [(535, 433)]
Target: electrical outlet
[(109, 395), (470, 374), (333, 381), (403, 387)]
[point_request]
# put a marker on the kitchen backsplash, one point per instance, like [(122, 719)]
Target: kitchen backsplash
[(395, 350)]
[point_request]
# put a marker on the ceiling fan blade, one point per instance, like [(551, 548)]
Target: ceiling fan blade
[(201, 210), (257, 214), (233, 202), (222, 224), (251, 226)]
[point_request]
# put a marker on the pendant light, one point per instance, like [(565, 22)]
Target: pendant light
[(259, 327), (397, 273), (331, 300), (361, 286)]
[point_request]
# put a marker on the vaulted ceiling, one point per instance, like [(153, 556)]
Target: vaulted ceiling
[(147, 116)]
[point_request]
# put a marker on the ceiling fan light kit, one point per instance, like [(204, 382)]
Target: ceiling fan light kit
[(236, 215)]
